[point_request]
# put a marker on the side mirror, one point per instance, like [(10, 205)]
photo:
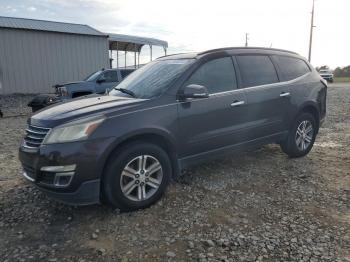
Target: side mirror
[(194, 91)]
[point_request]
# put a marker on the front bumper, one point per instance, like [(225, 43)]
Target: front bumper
[(87, 158), (328, 78), (87, 194)]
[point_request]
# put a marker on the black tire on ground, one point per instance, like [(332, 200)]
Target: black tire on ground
[(111, 183), (36, 108), (289, 146)]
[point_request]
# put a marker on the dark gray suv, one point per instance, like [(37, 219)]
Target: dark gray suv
[(124, 147)]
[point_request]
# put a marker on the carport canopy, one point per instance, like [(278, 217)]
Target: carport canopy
[(128, 43)]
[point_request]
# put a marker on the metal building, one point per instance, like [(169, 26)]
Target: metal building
[(36, 54)]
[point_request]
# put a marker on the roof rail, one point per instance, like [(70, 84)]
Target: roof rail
[(244, 47), (183, 53)]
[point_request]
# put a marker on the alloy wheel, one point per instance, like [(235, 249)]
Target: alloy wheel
[(304, 135), (141, 178)]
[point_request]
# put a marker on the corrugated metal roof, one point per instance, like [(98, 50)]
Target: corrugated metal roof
[(136, 40), (51, 26)]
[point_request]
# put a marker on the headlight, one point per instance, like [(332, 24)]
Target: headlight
[(63, 91), (73, 131)]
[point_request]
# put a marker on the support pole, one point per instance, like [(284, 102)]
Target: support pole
[(125, 59), (117, 56), (138, 59), (311, 28), (111, 58), (151, 51), (135, 56), (165, 51)]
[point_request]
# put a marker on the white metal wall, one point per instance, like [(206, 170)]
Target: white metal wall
[(34, 61)]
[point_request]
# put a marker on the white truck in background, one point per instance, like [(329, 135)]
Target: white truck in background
[(326, 74)]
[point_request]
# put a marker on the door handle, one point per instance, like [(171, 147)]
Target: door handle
[(237, 103), (284, 94)]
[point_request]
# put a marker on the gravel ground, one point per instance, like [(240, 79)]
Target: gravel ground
[(255, 206), (15, 105)]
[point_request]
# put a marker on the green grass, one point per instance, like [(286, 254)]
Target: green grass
[(341, 79)]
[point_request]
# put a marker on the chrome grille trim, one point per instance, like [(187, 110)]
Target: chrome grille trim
[(35, 136), (35, 132)]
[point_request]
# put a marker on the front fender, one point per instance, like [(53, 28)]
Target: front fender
[(81, 87), (116, 142)]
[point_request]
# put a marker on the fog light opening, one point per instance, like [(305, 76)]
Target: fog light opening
[(63, 179)]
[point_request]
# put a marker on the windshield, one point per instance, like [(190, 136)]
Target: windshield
[(152, 79), (93, 76)]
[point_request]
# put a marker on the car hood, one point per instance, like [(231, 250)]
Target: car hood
[(70, 83), (77, 108)]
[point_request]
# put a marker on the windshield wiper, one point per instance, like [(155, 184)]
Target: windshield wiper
[(125, 91)]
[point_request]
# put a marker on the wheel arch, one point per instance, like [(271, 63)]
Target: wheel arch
[(311, 108), (157, 137)]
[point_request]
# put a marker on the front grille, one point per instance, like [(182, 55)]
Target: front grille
[(35, 136)]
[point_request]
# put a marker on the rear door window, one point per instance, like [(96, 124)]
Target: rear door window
[(217, 75), (291, 67), (256, 70)]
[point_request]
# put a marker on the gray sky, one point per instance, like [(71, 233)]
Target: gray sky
[(200, 25)]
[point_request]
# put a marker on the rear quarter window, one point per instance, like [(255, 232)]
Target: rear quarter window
[(291, 67), (256, 70)]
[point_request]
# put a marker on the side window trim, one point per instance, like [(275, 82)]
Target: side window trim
[(274, 65), (237, 72), (277, 68)]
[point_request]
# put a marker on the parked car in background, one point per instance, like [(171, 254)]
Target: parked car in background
[(97, 82), (124, 147), (326, 75)]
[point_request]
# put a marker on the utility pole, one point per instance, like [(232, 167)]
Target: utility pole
[(246, 39), (311, 28)]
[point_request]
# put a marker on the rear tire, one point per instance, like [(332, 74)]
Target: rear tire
[(301, 136), (136, 176)]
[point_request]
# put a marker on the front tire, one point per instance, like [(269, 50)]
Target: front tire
[(136, 176), (301, 137)]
